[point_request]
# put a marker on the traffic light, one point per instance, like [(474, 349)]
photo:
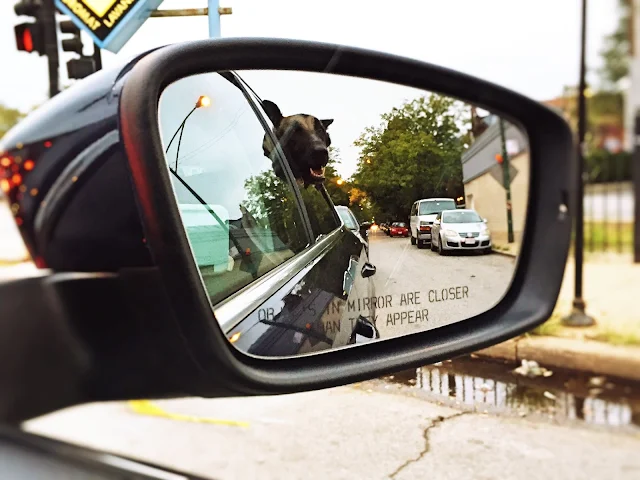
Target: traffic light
[(30, 35), (73, 44), (77, 68)]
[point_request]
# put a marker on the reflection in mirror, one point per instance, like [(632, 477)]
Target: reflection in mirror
[(325, 211)]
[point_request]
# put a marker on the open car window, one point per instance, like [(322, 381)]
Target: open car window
[(241, 219)]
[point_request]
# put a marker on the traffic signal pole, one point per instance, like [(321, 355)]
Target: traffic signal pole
[(213, 12), (51, 45)]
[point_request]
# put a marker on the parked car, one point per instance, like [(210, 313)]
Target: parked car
[(399, 229), (351, 222), (461, 229), (423, 213)]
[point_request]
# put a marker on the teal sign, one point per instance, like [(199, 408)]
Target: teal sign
[(110, 23)]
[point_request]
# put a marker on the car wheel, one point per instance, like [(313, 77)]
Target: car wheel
[(441, 251), (413, 241), (420, 244), (433, 246)]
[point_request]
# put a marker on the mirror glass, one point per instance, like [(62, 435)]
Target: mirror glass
[(326, 211)]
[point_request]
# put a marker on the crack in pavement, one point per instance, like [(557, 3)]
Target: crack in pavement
[(425, 434)]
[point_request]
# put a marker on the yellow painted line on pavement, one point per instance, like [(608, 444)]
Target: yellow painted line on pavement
[(146, 407)]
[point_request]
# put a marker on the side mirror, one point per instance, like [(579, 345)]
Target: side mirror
[(484, 220), (244, 293), (364, 229), (436, 222)]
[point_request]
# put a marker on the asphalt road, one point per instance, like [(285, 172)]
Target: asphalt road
[(372, 430), (421, 290)]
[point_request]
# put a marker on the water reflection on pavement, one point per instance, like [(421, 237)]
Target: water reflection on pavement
[(494, 388)]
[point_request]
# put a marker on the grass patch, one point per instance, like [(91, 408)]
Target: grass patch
[(550, 328), (623, 337), (599, 236)]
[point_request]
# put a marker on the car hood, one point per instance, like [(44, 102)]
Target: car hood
[(465, 227)]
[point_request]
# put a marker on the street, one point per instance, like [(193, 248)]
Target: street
[(423, 290), (373, 430)]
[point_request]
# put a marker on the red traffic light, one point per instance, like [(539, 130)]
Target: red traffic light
[(29, 38)]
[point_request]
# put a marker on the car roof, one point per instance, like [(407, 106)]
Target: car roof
[(435, 198)]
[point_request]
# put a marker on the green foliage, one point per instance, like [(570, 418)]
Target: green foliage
[(616, 52), (271, 203), (8, 118), (604, 167), (414, 153)]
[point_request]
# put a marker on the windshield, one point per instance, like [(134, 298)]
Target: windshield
[(399, 224), (347, 218), (430, 207), (461, 217)]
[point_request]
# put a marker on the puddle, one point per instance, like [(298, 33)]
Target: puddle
[(494, 388)]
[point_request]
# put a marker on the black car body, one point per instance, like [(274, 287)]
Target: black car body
[(62, 164)]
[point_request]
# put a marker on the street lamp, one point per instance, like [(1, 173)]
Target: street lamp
[(202, 102), (578, 316)]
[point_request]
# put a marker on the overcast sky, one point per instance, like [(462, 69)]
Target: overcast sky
[(529, 46)]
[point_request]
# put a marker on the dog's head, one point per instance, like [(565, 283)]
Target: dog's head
[(304, 140)]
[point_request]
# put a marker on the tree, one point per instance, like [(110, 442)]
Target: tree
[(414, 153), (617, 50), (337, 187), (8, 118)]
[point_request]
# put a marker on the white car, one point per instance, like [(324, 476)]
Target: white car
[(423, 213), (461, 229)]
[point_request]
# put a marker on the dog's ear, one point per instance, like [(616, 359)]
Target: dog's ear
[(273, 112), (326, 123)]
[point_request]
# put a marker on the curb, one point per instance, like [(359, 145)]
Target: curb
[(584, 356), (506, 254)]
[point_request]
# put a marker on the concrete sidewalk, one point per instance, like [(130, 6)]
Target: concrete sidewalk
[(359, 431), (609, 287)]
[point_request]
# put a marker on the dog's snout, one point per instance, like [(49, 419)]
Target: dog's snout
[(320, 156)]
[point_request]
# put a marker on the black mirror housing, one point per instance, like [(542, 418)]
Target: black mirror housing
[(544, 250), (170, 300)]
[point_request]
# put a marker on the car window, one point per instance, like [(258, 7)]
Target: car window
[(413, 209), (320, 210), (241, 220), (461, 217), (429, 207), (347, 218)]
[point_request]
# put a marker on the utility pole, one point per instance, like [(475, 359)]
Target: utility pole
[(506, 179), (578, 317), (51, 45)]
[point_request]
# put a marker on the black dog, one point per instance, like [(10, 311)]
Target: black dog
[(304, 141)]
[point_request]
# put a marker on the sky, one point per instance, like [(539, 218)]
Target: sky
[(530, 47)]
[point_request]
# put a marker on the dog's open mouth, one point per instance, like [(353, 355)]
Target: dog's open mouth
[(317, 173)]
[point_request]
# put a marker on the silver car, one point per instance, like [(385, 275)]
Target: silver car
[(461, 229)]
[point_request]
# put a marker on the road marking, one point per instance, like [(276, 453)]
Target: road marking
[(146, 407)]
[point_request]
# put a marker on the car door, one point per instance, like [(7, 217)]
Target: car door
[(272, 258)]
